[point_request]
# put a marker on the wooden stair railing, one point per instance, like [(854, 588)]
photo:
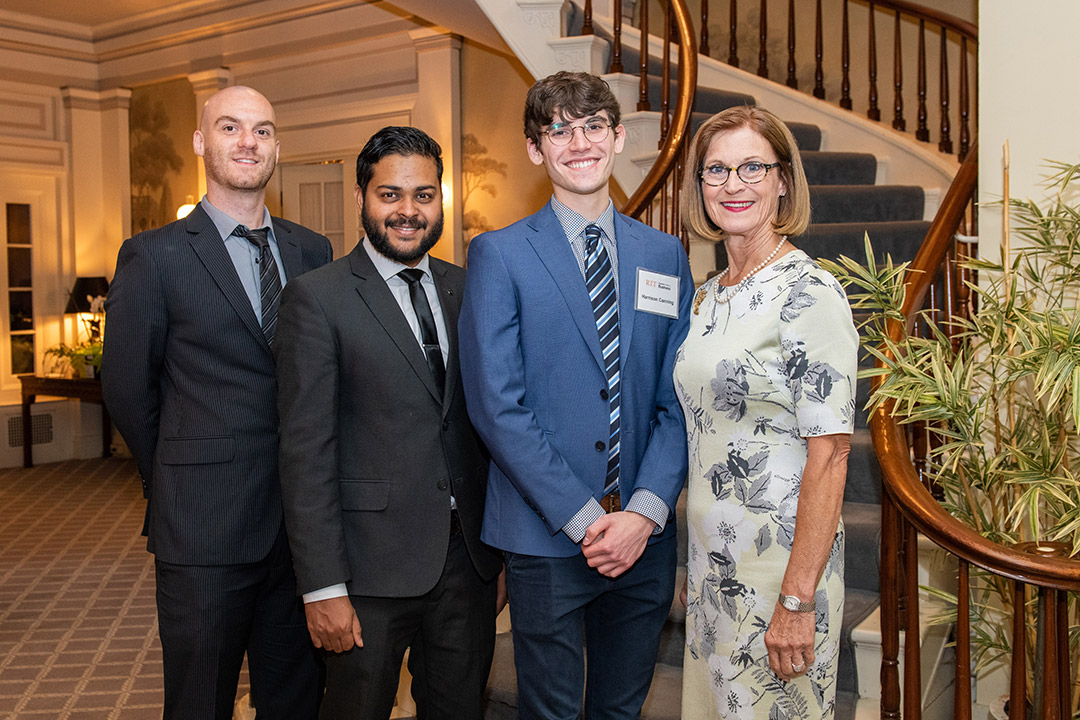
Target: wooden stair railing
[(955, 37), (658, 193), (909, 508)]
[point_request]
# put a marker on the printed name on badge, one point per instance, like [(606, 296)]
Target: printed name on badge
[(657, 293)]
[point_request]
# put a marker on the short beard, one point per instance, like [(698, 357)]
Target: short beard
[(376, 233)]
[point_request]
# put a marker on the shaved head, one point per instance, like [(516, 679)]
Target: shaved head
[(237, 140)]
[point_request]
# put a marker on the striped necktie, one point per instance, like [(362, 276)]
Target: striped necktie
[(269, 279), (600, 282)]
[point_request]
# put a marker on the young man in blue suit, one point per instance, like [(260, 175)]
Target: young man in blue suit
[(568, 333)]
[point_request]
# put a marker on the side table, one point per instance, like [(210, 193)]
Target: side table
[(77, 388)]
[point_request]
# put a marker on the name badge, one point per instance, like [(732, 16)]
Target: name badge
[(657, 293)]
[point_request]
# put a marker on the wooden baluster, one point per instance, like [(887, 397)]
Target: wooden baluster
[(898, 122), (845, 62), (890, 608), (819, 44), (616, 35), (704, 49), (945, 144), (872, 111), (665, 80), (965, 130), (763, 33), (792, 81), (586, 23), (1050, 697), (643, 70), (733, 41), (1064, 674), (1018, 680), (922, 132), (949, 295), (912, 660), (962, 687)]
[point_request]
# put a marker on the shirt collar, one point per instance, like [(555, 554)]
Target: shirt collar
[(388, 268), (225, 224), (574, 224)]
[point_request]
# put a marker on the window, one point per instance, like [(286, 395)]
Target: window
[(20, 289)]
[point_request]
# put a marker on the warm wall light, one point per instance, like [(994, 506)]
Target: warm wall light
[(85, 301), (184, 210)]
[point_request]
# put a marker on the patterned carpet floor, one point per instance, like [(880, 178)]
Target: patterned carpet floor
[(78, 623)]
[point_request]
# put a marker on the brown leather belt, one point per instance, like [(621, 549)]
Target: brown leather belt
[(611, 503)]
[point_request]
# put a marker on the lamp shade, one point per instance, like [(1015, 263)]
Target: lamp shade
[(85, 290)]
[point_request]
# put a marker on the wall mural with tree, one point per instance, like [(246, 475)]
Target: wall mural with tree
[(477, 168), (163, 170)]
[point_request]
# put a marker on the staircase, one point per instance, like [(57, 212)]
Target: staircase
[(864, 178)]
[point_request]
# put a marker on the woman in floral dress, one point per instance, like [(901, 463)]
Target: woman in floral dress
[(766, 378)]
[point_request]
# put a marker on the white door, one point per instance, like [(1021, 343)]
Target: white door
[(320, 197)]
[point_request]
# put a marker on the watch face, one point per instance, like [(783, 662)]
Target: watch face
[(791, 603)]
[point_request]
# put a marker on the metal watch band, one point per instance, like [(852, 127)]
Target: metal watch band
[(794, 604)]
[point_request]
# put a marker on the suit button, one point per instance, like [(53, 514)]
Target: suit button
[(600, 446), (603, 394), (442, 485), (445, 425)]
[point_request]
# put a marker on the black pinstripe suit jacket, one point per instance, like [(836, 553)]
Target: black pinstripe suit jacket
[(188, 379)]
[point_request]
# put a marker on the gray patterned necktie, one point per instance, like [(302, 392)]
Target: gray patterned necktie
[(269, 278)]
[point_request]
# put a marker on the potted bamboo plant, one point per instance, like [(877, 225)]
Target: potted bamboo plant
[(1000, 395)]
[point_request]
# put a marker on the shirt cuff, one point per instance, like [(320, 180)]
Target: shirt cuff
[(339, 590), (583, 518), (647, 503)]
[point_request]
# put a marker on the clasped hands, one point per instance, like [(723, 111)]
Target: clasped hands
[(614, 542)]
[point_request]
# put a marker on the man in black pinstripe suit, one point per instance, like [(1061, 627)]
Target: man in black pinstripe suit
[(188, 377)]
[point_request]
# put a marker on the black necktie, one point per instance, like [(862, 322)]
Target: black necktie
[(269, 279), (429, 335)]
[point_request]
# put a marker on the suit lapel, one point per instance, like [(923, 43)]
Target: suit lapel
[(208, 246), (629, 245), (374, 292), (450, 302), (292, 257), (549, 240)]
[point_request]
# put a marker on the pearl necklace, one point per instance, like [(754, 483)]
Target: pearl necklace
[(731, 291)]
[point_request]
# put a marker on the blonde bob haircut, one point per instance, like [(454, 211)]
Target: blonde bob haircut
[(793, 213)]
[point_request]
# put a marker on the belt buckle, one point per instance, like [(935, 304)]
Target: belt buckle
[(611, 502)]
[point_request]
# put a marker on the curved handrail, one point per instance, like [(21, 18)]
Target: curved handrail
[(963, 27), (669, 151), (912, 498)]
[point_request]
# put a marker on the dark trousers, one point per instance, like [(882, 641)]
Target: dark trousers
[(209, 616), (561, 609), (450, 631)]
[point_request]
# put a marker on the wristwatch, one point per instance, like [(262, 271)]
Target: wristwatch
[(794, 604)]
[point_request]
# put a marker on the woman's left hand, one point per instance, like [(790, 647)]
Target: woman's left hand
[(790, 642)]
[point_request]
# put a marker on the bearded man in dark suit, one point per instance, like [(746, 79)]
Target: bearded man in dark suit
[(188, 378), (382, 475)]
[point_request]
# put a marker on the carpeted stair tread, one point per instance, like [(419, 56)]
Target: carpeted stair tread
[(865, 203), (807, 136), (900, 239), (862, 526), (839, 168), (706, 100), (858, 604), (863, 472), (846, 703)]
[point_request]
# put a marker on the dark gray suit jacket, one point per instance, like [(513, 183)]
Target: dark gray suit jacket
[(370, 453), (188, 378)]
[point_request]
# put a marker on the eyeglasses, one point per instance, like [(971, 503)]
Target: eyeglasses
[(594, 131), (750, 172)]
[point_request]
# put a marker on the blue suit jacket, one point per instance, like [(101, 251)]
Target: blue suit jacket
[(533, 374)]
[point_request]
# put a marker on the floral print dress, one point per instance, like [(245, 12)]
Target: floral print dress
[(756, 376)]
